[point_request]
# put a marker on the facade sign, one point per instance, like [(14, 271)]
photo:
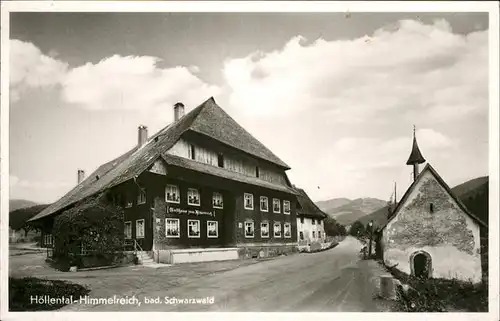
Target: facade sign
[(177, 210)]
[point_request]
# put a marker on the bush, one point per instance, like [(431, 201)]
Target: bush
[(439, 295), (94, 225), (22, 293)]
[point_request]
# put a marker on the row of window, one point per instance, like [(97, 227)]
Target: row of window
[(264, 206), (301, 235), (172, 228), (139, 229), (264, 229), (172, 195), (313, 221)]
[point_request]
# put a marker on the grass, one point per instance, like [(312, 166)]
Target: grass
[(24, 291)]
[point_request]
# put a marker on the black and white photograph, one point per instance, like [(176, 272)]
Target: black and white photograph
[(250, 157)]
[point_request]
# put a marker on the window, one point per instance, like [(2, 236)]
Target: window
[(248, 201), (314, 234), (172, 194), (141, 198), (313, 222), (47, 239), (301, 235), (286, 207), (128, 201), (319, 234), (193, 228), (276, 205), (256, 171), (139, 229), (217, 200), (287, 227), (431, 208), (220, 160), (301, 220), (277, 229), (264, 229), (249, 229), (193, 197), (191, 152), (172, 227), (212, 229), (128, 230), (263, 204)]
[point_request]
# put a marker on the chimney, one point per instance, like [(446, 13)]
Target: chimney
[(178, 111), (81, 175), (142, 135)]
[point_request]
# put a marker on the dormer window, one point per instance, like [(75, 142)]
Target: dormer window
[(192, 152)]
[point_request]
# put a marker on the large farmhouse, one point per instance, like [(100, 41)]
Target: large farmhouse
[(431, 233), (202, 182)]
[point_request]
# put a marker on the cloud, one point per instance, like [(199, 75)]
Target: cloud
[(405, 66), (116, 82), (132, 83), (30, 68)]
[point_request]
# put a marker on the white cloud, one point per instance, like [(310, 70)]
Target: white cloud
[(30, 68), (116, 82), (407, 66)]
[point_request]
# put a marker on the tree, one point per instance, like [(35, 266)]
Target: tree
[(18, 218), (357, 229), (94, 224), (334, 228)]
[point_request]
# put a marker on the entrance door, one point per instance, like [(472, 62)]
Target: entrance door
[(421, 265)]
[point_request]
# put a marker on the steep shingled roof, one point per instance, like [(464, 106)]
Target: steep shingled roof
[(307, 206), (208, 119), (410, 189)]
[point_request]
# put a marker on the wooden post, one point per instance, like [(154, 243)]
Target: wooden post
[(387, 287)]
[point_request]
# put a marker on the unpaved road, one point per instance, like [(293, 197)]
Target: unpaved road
[(331, 281)]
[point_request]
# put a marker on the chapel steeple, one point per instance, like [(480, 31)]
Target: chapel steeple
[(416, 157)]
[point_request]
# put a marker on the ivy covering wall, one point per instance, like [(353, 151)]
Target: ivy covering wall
[(92, 230)]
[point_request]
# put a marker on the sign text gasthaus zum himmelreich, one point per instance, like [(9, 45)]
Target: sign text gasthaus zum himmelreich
[(177, 210)]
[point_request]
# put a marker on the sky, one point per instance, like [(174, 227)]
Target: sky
[(334, 95)]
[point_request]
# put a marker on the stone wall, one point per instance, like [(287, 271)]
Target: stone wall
[(442, 230)]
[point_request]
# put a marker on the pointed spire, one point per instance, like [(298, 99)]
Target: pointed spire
[(415, 156)]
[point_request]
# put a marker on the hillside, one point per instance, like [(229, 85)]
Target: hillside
[(354, 210), (16, 204), (18, 218), (473, 193), (328, 205)]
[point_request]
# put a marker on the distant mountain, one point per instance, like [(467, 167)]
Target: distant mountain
[(327, 205), (351, 211), (16, 204), (473, 193)]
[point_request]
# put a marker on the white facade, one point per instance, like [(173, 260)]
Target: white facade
[(307, 232), (431, 222)]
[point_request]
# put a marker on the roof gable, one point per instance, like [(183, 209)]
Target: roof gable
[(214, 122), (138, 159), (307, 206), (442, 183)]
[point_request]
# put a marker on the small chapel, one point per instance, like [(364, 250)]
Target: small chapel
[(430, 233)]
